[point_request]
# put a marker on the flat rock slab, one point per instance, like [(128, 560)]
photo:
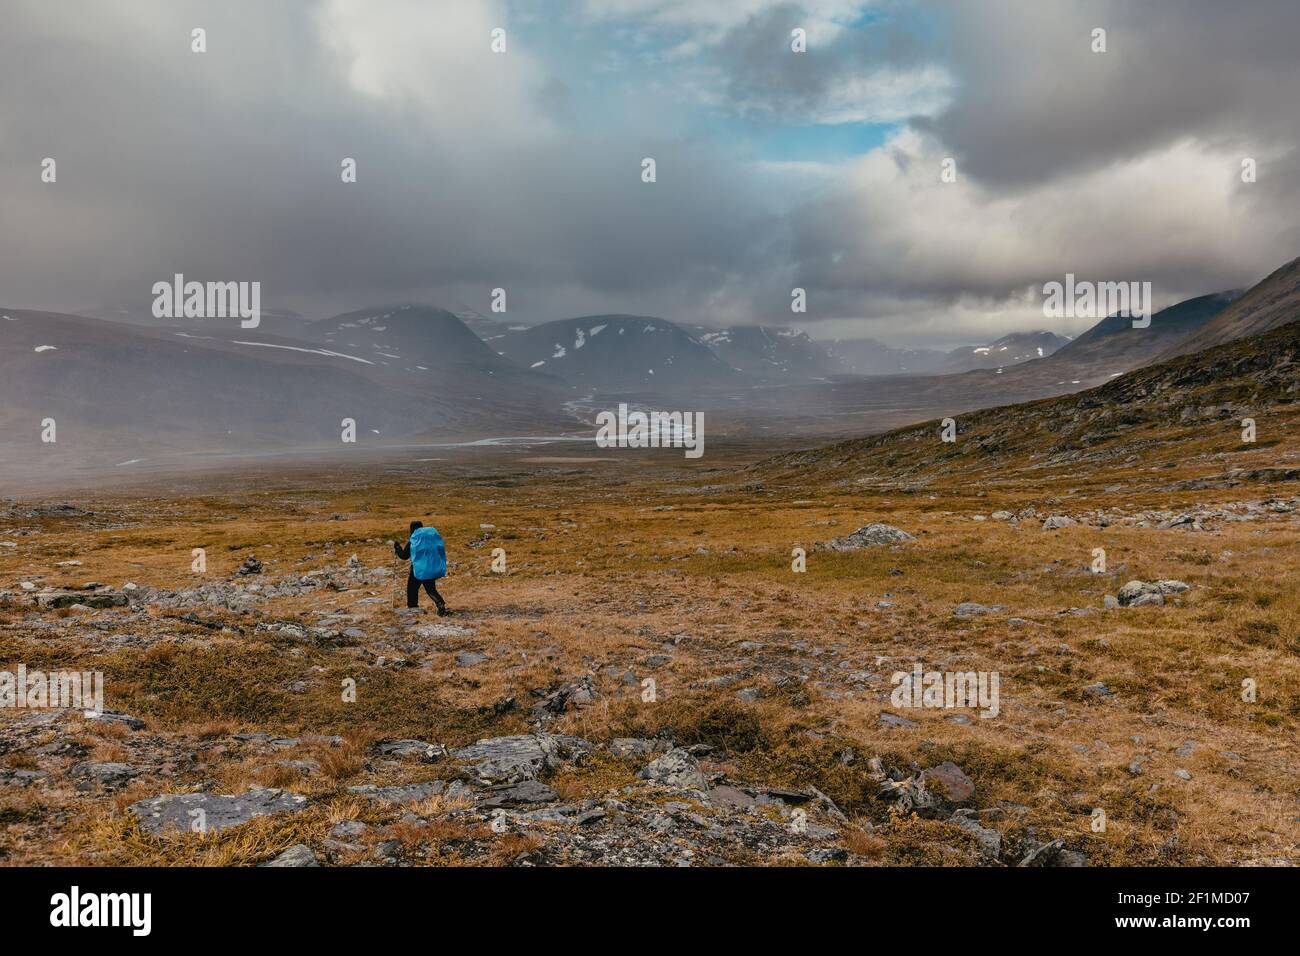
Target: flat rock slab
[(402, 793), (516, 794), (520, 757), (211, 812), (100, 599), (411, 748), (726, 796), (435, 631), (971, 609), (894, 720), (298, 855)]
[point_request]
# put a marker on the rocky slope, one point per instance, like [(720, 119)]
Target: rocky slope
[(1272, 302), (1186, 403)]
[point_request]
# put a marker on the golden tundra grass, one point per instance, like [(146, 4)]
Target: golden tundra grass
[(608, 563)]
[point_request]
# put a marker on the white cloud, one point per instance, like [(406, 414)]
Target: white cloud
[(436, 59)]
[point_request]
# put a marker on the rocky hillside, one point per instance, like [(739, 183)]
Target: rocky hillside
[(1183, 407), (1273, 302), (1113, 346)]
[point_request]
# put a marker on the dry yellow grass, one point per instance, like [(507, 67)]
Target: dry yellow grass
[(601, 578)]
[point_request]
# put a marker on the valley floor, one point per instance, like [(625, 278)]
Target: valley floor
[(651, 681)]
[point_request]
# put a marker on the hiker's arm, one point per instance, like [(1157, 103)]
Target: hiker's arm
[(403, 550)]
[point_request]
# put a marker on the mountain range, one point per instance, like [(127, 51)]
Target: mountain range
[(120, 390)]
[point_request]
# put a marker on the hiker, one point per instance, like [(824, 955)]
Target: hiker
[(428, 557)]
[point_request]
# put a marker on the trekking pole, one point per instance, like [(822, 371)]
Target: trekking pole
[(397, 580)]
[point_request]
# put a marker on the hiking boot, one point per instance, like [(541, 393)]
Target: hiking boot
[(442, 610)]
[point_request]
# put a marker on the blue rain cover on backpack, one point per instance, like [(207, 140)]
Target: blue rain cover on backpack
[(428, 554)]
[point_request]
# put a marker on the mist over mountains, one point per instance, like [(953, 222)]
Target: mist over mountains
[(124, 390)]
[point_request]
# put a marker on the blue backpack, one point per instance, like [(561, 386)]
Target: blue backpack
[(428, 554)]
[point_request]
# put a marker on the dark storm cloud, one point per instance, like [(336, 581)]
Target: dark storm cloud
[(1036, 103), (477, 171), (226, 165)]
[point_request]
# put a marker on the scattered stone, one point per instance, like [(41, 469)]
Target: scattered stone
[(580, 693), (1058, 521), (969, 609), (990, 840), (1143, 593), (97, 599), (727, 796), (469, 658), (436, 631), (114, 717), (1098, 690), (891, 721), (20, 778), (826, 854), (103, 774), (635, 746), (676, 769), (411, 748), (950, 781), (349, 829), (868, 536), (298, 855), (250, 566), (1182, 774), (1042, 855)]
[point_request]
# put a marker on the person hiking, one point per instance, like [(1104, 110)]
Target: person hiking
[(428, 556)]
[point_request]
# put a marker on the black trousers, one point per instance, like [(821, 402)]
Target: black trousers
[(413, 591)]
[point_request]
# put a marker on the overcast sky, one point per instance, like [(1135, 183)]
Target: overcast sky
[(775, 169)]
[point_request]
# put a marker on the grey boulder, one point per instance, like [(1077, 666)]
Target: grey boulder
[(676, 769), (209, 812)]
